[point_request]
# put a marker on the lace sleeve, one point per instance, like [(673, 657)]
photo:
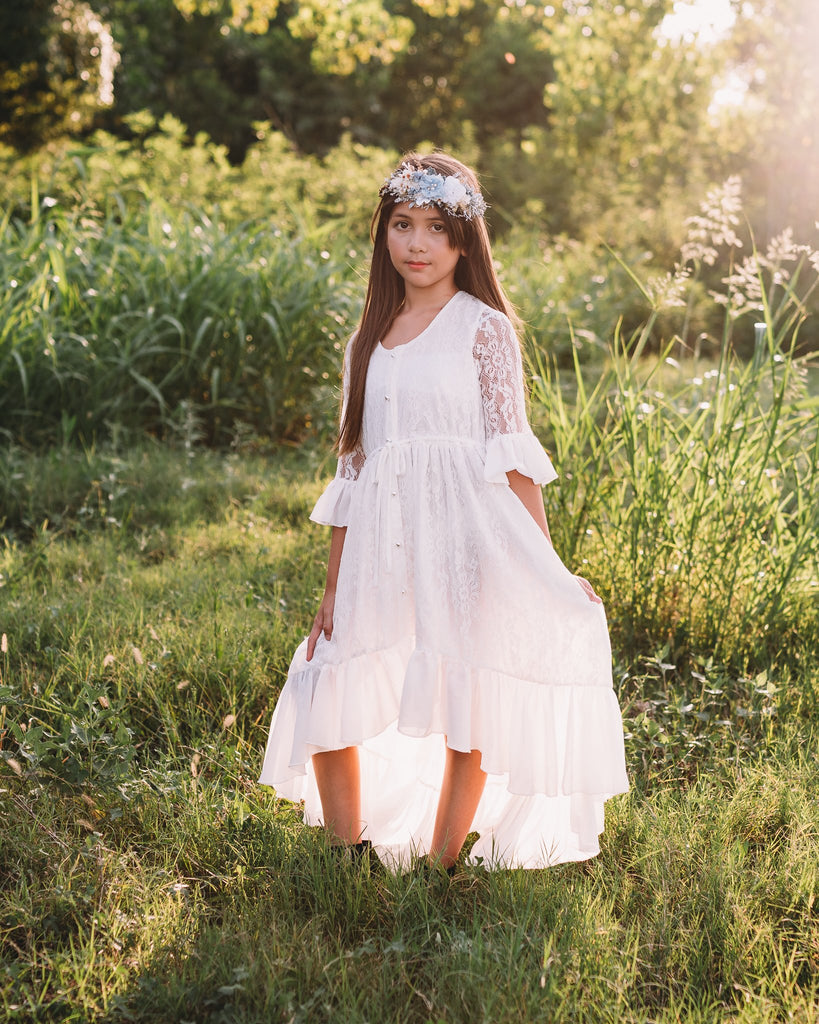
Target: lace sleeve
[(351, 464), (333, 507), (510, 443)]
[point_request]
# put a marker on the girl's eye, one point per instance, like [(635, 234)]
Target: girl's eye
[(438, 228), (400, 224)]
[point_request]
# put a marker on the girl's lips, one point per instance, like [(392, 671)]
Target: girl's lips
[(415, 263)]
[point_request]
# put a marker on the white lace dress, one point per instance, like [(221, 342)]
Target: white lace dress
[(455, 620)]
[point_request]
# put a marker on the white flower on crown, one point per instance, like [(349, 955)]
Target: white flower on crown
[(454, 193)]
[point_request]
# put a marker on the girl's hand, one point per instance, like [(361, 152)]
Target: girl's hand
[(323, 622), (589, 589)]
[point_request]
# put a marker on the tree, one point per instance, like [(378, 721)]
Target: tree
[(57, 63), (628, 123)]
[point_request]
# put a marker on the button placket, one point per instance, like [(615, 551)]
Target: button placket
[(390, 396)]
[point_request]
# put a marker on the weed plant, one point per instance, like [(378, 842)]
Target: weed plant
[(162, 165)]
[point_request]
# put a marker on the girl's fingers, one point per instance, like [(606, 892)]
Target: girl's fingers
[(311, 640), (589, 589), (321, 624)]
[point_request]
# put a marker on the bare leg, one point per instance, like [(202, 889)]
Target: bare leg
[(339, 785), (461, 791)]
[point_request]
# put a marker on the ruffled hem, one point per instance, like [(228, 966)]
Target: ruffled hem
[(333, 507), (522, 452), (553, 754)]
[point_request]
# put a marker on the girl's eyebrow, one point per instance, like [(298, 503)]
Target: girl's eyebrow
[(434, 219)]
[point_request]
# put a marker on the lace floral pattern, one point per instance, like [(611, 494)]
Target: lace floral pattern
[(500, 374), (351, 464)]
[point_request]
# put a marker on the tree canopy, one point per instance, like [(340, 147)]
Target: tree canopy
[(579, 114)]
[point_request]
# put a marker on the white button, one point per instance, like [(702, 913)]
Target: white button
[(387, 397), (394, 493), (398, 543)]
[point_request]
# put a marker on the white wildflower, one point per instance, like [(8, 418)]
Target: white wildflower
[(714, 226)]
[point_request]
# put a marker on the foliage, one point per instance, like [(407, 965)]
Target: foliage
[(146, 323), (81, 743), (57, 64), (145, 312), (772, 49), (620, 159), (692, 499), (693, 488), (623, 107), (585, 117), (110, 179)]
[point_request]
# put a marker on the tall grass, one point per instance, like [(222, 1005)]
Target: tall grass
[(692, 486), (153, 322)]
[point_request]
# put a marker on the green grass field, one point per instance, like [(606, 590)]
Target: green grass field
[(150, 602)]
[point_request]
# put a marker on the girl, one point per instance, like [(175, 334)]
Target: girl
[(457, 675)]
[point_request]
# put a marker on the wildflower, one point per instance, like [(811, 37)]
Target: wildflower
[(714, 226), (668, 290)]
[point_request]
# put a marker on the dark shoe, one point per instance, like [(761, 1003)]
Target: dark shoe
[(432, 871), (359, 854), (362, 852)]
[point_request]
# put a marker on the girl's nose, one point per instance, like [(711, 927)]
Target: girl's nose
[(417, 244)]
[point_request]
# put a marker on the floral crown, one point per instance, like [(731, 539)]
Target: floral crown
[(422, 187)]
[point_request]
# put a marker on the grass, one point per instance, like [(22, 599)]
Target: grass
[(151, 595), (208, 902), (126, 309), (146, 877), (166, 321)]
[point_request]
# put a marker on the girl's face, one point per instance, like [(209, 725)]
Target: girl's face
[(420, 248)]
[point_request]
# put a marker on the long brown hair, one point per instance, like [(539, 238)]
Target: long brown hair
[(474, 273)]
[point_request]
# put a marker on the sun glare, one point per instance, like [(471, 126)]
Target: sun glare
[(702, 20)]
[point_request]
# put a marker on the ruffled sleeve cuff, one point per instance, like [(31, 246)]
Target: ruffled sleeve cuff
[(522, 452), (333, 507)]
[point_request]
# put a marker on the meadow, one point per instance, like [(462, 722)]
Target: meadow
[(153, 587)]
